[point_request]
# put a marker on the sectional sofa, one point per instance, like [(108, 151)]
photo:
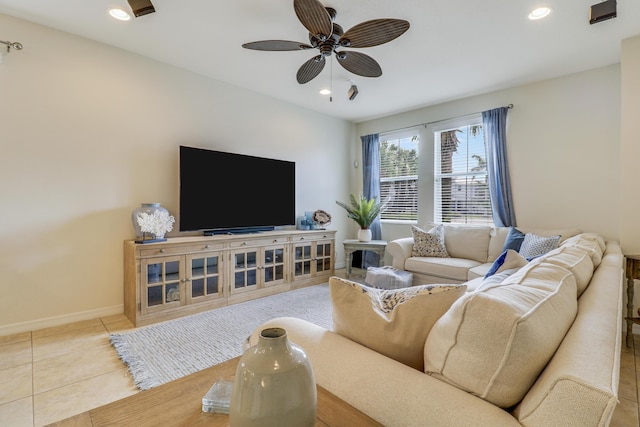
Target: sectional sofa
[(536, 345), (471, 252)]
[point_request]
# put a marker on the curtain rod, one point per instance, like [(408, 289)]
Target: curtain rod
[(509, 106)]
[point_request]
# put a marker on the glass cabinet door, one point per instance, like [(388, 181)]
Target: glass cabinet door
[(161, 277), (204, 279), (323, 257), (245, 270), (273, 265), (302, 260)]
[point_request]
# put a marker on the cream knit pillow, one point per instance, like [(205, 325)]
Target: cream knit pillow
[(392, 322), (495, 342)]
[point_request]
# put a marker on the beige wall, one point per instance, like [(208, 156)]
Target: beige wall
[(563, 147), (630, 193), (88, 132), (630, 157)]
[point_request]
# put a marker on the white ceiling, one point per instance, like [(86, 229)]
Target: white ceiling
[(454, 48)]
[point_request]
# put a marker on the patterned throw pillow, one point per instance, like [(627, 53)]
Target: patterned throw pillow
[(392, 322), (534, 245), (429, 243)]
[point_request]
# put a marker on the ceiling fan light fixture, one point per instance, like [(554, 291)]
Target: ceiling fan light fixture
[(325, 92), (539, 13), (326, 36), (119, 14)]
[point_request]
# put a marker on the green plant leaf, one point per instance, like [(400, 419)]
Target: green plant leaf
[(362, 210)]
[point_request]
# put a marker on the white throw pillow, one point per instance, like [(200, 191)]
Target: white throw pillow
[(509, 259), (495, 342), (392, 322), (429, 243)]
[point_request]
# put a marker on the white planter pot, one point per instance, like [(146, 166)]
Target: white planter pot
[(364, 235)]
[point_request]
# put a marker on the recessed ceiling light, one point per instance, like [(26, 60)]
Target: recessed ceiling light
[(539, 13), (325, 92), (119, 14)]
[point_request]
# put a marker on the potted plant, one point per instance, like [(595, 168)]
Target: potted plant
[(363, 211)]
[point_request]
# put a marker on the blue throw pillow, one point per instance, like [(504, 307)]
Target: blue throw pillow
[(514, 240)]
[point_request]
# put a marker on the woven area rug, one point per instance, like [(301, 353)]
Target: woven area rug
[(166, 351)]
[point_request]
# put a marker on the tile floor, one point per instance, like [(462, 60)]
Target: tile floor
[(51, 374)]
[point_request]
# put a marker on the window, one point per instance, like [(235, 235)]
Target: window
[(399, 174), (461, 192)]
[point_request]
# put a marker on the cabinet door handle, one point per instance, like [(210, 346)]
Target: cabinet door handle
[(207, 247), (244, 243), (275, 240), (162, 251), (302, 238)]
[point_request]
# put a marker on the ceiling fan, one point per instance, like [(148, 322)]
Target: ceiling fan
[(327, 36)]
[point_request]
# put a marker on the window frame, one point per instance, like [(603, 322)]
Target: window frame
[(457, 123), (397, 135)]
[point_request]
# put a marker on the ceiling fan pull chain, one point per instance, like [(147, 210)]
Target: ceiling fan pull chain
[(331, 80)]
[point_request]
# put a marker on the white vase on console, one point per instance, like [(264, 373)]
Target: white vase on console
[(364, 234)]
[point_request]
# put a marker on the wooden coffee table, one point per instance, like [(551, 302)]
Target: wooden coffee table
[(179, 403)]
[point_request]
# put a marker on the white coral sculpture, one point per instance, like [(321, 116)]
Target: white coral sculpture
[(158, 223)]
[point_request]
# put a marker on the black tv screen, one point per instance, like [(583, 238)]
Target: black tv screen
[(229, 192)]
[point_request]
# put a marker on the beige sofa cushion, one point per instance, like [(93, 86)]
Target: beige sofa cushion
[(468, 242), (449, 268), (591, 243), (495, 342), (575, 260), (392, 322)]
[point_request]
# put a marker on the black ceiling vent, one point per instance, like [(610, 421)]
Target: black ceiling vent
[(603, 11), (141, 7)]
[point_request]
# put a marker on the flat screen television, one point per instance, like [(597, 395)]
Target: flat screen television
[(224, 192)]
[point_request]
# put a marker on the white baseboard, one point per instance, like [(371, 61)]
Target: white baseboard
[(33, 325)]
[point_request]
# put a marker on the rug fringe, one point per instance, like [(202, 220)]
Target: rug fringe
[(142, 378)]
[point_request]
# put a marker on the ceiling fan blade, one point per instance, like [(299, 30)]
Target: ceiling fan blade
[(314, 16), (310, 69), (374, 32), (359, 63), (276, 45)]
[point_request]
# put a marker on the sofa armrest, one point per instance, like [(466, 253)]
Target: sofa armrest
[(579, 386), (400, 250)]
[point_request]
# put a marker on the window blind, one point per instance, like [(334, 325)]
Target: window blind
[(399, 175), (461, 193)]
